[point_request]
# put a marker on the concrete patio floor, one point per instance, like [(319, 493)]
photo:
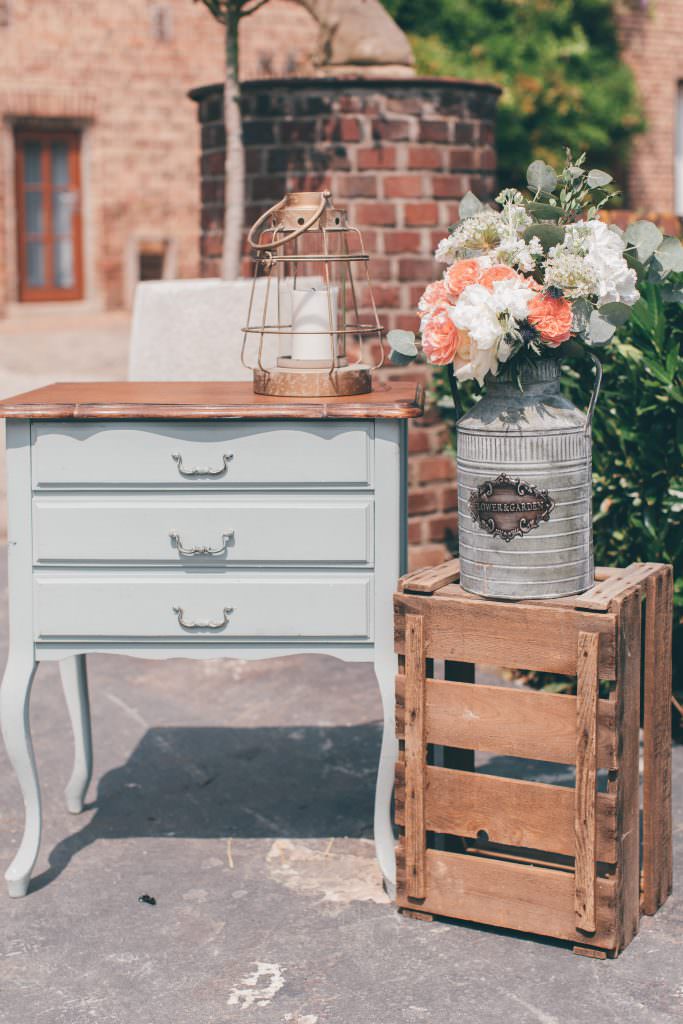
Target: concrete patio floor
[(239, 795)]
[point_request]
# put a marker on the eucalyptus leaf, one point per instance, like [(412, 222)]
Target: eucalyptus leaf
[(581, 314), (645, 236), (616, 313), (671, 293), (599, 330), (631, 257), (547, 234), (544, 211), (398, 359), (403, 342), (541, 176), (670, 255), (469, 205), (598, 179)]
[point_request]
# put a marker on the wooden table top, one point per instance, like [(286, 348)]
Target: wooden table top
[(205, 400)]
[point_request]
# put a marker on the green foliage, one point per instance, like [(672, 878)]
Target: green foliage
[(638, 444), (557, 62)]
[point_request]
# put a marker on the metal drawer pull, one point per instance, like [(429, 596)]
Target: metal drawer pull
[(203, 625), (199, 549), (201, 470)]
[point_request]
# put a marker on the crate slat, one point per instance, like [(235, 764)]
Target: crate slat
[(510, 895), (512, 812), (522, 635), (415, 759), (626, 699), (516, 723), (657, 824), (586, 780), (431, 579)]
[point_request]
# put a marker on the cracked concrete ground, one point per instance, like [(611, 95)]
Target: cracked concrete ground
[(239, 796)]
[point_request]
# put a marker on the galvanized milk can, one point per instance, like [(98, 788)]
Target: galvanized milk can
[(524, 488)]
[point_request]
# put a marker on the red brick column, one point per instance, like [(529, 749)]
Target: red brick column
[(398, 154)]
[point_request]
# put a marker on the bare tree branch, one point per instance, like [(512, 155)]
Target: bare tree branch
[(255, 7)]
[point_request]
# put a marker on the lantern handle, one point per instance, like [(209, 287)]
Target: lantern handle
[(260, 246)]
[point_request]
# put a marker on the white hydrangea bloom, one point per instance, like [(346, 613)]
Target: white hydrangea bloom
[(514, 219), (479, 233), (603, 250), (572, 273), (517, 253)]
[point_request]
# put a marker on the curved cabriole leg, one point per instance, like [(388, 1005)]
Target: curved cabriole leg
[(16, 731), (75, 686), (385, 670)]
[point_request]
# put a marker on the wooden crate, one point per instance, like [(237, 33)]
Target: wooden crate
[(547, 859)]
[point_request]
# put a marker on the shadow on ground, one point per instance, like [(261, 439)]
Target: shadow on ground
[(212, 783)]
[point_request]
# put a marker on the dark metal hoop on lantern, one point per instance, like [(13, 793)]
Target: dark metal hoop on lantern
[(314, 310)]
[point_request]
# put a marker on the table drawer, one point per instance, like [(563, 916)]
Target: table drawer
[(135, 606), (252, 529), (217, 455)]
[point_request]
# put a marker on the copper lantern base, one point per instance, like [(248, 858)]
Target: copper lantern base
[(313, 382)]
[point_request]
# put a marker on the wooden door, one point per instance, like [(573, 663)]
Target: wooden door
[(50, 256)]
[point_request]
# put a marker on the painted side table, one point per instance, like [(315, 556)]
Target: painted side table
[(198, 520)]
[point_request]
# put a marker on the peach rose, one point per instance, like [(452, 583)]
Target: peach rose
[(497, 273), (552, 318), (460, 275), (433, 295), (441, 339)]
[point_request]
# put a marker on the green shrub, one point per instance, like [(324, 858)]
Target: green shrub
[(557, 61)]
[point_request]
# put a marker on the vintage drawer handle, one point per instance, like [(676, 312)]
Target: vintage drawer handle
[(199, 549), (201, 470), (203, 625)]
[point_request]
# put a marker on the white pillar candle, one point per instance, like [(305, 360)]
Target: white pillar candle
[(311, 306)]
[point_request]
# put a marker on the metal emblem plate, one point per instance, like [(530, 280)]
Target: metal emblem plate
[(509, 508)]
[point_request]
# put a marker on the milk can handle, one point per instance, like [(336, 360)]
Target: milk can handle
[(596, 391)]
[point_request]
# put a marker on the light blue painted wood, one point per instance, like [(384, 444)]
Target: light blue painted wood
[(136, 606), (314, 515), (253, 529), (142, 454), (15, 692), (75, 685)]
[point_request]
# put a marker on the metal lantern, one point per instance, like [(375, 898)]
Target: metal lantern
[(304, 334)]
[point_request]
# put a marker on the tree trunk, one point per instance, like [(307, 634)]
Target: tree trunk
[(233, 224)]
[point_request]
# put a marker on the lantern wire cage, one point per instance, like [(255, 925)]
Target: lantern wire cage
[(312, 316)]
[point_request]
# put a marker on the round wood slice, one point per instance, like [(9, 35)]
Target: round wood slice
[(342, 381)]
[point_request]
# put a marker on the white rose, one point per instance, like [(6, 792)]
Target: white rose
[(476, 312)]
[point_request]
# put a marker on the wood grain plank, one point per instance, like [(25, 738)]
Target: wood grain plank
[(513, 635), (513, 812), (586, 781), (415, 759), (202, 400), (516, 723), (432, 578), (517, 896), (657, 824), (626, 700)]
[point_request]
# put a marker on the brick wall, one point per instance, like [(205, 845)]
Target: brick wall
[(398, 155), (650, 34), (121, 72)]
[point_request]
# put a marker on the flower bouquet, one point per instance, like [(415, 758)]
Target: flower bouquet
[(541, 269), (521, 283)]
